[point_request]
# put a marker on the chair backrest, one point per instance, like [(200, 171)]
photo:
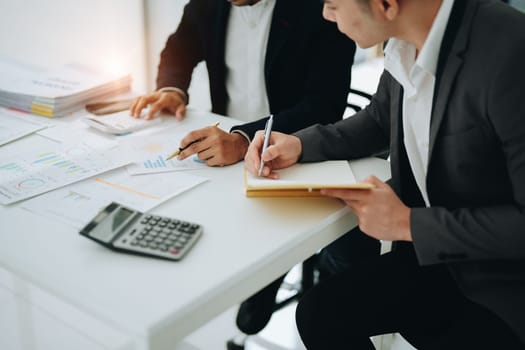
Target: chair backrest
[(357, 100)]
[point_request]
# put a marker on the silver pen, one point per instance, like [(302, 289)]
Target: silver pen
[(267, 132)]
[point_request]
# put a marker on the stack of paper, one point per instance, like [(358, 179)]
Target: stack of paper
[(56, 92)]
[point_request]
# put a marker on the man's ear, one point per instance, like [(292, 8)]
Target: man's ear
[(386, 9)]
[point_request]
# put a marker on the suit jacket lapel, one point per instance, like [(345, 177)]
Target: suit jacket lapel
[(221, 24), (396, 134), (281, 27), (455, 42)]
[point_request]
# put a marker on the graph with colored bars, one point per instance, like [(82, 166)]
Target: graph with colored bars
[(159, 162), (25, 176), (56, 160)]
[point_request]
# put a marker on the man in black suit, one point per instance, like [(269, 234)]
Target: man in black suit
[(451, 107), (295, 66)]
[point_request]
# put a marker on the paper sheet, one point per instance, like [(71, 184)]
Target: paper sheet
[(27, 175), (154, 149), (13, 125), (76, 204)]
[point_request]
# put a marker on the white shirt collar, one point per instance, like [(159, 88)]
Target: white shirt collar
[(252, 14), (428, 57)]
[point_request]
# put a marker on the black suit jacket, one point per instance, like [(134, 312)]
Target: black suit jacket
[(307, 66), (476, 169)]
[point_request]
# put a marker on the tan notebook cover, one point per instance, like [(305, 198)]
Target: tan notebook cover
[(303, 179)]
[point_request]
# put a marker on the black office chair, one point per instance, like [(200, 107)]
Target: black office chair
[(362, 97)]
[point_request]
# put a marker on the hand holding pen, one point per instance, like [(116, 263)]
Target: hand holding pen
[(213, 146), (178, 151), (283, 152)]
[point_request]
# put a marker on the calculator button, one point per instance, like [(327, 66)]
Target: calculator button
[(143, 244), (153, 245), (174, 251), (144, 221)]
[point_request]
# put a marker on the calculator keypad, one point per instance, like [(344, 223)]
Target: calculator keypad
[(160, 236)]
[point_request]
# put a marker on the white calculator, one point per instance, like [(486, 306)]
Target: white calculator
[(131, 231)]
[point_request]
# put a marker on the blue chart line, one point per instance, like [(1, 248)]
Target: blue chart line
[(12, 167), (157, 163)]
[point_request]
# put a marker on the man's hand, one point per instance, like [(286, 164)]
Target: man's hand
[(380, 212), (215, 146), (170, 101), (282, 152)]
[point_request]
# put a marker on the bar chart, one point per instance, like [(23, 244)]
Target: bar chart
[(27, 175)]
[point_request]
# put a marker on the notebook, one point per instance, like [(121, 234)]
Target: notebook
[(304, 179)]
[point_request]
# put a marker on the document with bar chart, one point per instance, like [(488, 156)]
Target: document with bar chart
[(154, 150), (159, 164), (27, 175)]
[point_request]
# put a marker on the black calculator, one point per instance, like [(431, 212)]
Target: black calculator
[(132, 231)]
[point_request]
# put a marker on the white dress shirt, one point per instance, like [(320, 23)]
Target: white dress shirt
[(418, 77), (246, 39)]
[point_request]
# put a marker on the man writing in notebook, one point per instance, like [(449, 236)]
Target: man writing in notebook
[(263, 57), (450, 106)]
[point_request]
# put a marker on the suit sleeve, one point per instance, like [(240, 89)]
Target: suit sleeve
[(330, 57), (364, 134), (183, 50)]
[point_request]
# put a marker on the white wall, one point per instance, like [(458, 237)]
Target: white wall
[(107, 34), (162, 19)]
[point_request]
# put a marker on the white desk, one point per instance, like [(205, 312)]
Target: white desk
[(119, 301)]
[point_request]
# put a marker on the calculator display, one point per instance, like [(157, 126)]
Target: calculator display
[(122, 215), (107, 228)]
